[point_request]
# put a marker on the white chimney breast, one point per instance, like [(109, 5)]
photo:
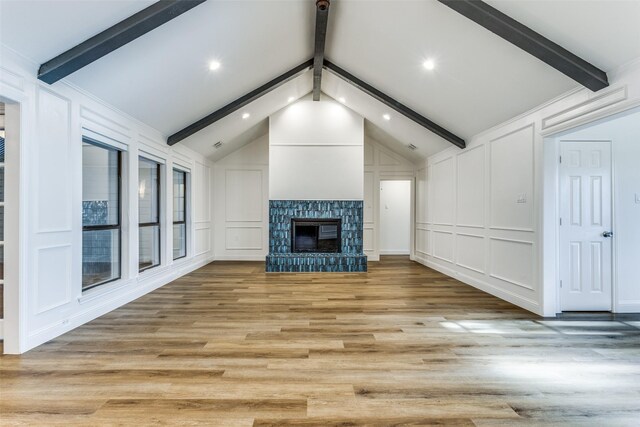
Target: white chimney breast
[(316, 152)]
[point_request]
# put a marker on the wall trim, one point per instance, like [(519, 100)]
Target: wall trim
[(239, 257), (392, 252), (144, 287), (514, 299)]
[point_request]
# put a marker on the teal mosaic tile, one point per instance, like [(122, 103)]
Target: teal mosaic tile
[(351, 258)]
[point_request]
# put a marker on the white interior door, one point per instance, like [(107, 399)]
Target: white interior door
[(585, 224), (395, 217)]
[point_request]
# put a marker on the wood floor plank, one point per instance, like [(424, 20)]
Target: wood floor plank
[(230, 345)]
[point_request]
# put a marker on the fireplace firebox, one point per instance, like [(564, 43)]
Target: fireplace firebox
[(316, 235)]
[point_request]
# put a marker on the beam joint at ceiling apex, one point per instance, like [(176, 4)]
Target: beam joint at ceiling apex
[(322, 19)]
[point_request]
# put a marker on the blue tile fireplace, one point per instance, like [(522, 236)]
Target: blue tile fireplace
[(316, 236)]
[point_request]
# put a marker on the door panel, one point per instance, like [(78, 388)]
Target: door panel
[(585, 212)]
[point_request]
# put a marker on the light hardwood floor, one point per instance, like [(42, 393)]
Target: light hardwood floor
[(401, 345)]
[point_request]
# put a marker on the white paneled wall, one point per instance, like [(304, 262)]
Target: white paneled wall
[(241, 198), (241, 201), (479, 213), (45, 295), (380, 163), (202, 220)]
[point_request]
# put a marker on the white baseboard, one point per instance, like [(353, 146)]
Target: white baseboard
[(392, 252), (518, 300), (240, 257), (117, 299), (628, 307)]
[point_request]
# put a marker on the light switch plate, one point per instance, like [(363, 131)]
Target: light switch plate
[(522, 198)]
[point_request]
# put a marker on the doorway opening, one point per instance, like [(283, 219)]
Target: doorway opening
[(395, 217), (2, 175), (10, 226), (585, 250), (591, 203)]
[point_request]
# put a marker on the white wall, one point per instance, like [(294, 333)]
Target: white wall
[(380, 163), (395, 217), (242, 231), (316, 152), (623, 131), (480, 214), (241, 207), (54, 118)]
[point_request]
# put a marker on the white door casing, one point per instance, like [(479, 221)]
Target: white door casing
[(585, 219)]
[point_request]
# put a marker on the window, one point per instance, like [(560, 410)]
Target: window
[(179, 214), (148, 214), (101, 212)]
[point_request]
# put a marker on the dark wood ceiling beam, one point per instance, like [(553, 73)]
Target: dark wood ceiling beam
[(240, 102), (397, 106), (531, 42), (322, 18), (113, 38)]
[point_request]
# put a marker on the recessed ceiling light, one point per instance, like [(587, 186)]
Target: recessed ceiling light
[(429, 64), (214, 65), (386, 116), (246, 115), (341, 99), (291, 99)]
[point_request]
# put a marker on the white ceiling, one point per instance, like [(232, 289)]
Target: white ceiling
[(43, 29), (480, 80), (399, 128), (233, 130), (605, 33)]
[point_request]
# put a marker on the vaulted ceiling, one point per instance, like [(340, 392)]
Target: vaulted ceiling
[(480, 80)]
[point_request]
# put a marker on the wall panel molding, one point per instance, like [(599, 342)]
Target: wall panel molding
[(511, 180), (54, 156), (470, 187), (466, 251), (443, 249), (53, 273), (240, 204), (512, 263), (243, 238)]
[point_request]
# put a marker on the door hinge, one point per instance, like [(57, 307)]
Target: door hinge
[(560, 159), (561, 283), (560, 221)]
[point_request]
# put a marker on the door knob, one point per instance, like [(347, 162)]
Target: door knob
[(607, 234)]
